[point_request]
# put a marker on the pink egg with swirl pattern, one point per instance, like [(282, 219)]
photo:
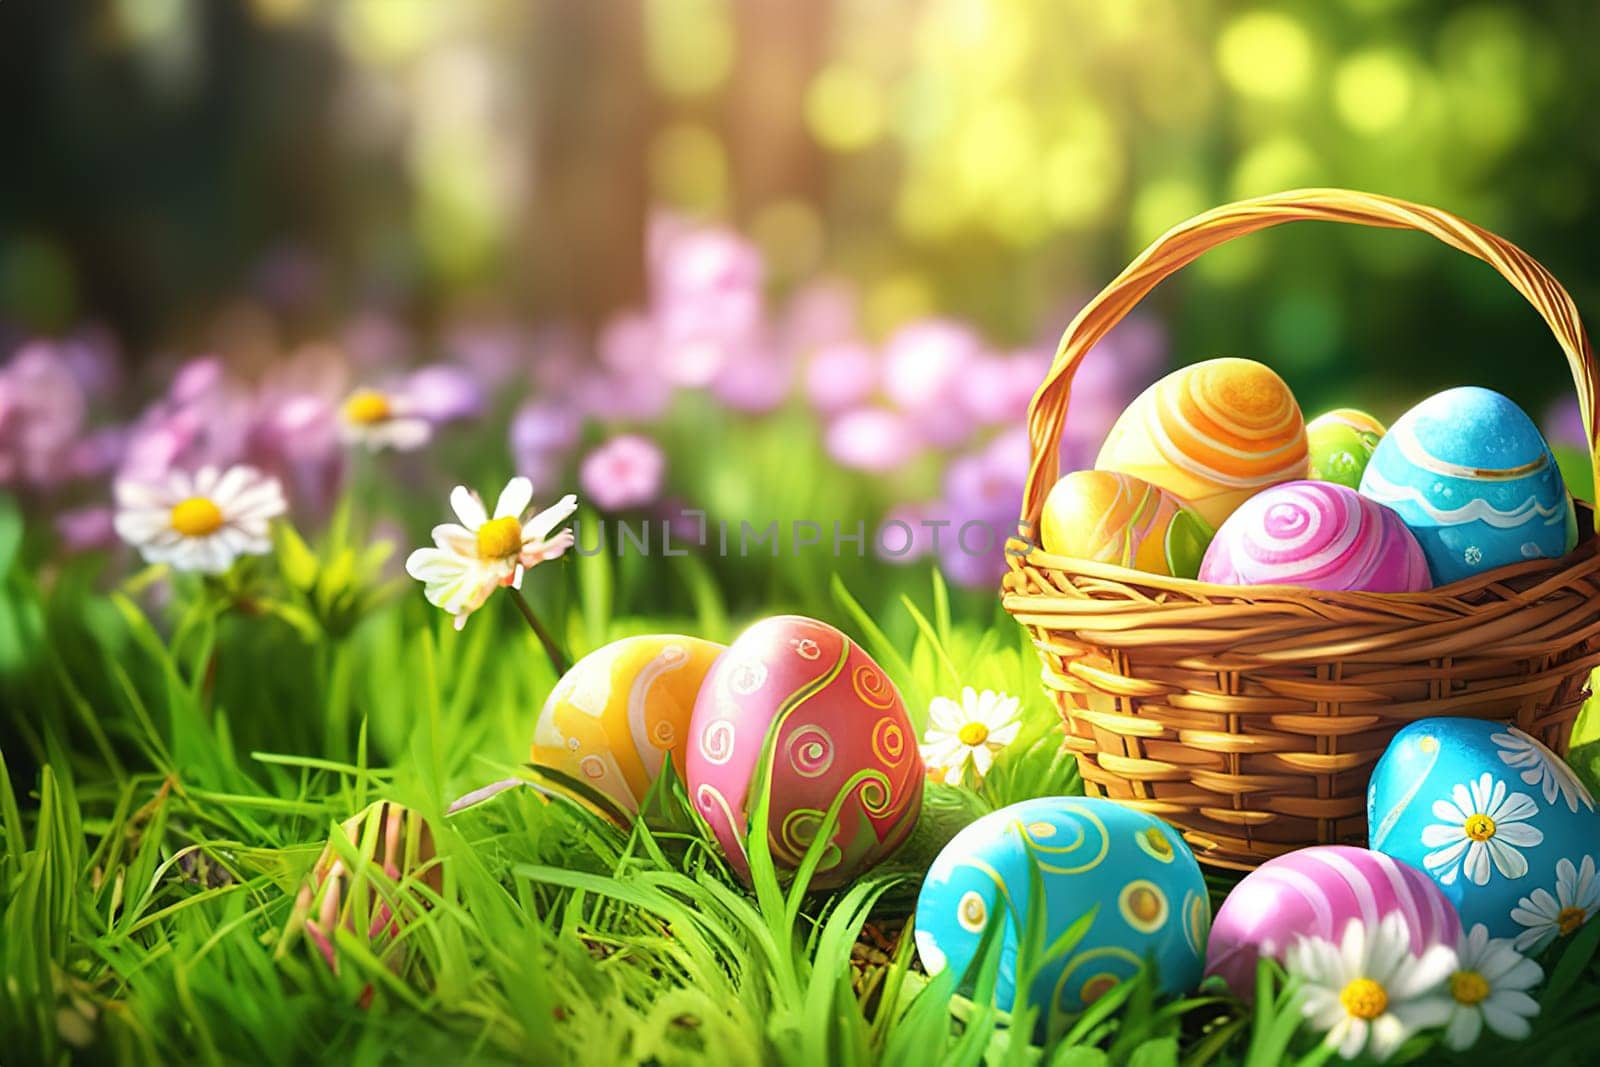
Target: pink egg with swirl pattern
[(836, 725), (1316, 535), (1315, 892)]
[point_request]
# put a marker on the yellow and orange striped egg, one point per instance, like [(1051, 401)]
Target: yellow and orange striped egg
[(1116, 518), (1212, 434), (612, 720)]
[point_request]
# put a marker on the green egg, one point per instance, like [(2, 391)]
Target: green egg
[(1339, 451)]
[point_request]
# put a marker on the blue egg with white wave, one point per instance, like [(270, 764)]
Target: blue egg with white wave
[(1133, 871), (1476, 483)]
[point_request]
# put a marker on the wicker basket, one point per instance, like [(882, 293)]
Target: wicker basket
[(1250, 718)]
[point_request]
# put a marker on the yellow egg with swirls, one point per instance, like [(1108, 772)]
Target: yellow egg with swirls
[(613, 719), (1212, 434), (1115, 518)]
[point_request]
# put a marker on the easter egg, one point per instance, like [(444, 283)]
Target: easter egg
[(1500, 822), (1130, 868), (1117, 518), (831, 724), (1340, 444), (1316, 535), (1211, 434), (614, 717), (1469, 473), (1315, 892)]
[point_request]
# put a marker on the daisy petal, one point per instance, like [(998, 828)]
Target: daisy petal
[(514, 499), (468, 507)]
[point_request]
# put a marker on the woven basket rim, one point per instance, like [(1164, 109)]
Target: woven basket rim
[(1466, 591)]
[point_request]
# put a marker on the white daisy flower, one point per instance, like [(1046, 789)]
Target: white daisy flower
[(201, 522), (1369, 991), (969, 732), (483, 552), (1576, 899), (1543, 768), (381, 420), (1490, 985), (1480, 825)]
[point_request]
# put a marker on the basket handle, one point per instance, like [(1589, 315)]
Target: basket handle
[(1185, 242)]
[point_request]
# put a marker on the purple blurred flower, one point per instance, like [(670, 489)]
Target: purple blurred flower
[(543, 432), (91, 355), (983, 494), (925, 367), (625, 472), (903, 535), (97, 453), (86, 529), (42, 411), (544, 426), (841, 376), (444, 392), (1563, 424), (872, 439)]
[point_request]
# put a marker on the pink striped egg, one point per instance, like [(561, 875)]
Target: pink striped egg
[(1316, 535), (1315, 892)]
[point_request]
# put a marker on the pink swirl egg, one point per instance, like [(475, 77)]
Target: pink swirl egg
[(1315, 892), (1317, 535), (833, 725)]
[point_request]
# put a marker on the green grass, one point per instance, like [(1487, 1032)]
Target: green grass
[(172, 774)]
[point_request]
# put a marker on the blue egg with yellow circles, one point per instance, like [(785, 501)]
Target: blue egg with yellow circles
[(1500, 822), (1476, 483), (1133, 870)]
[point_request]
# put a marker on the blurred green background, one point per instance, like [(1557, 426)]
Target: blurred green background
[(192, 174)]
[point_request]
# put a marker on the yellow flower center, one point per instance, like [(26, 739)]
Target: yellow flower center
[(499, 538), (1468, 987), (1479, 827), (196, 517), (1364, 999), (1569, 919), (367, 406), (973, 733)]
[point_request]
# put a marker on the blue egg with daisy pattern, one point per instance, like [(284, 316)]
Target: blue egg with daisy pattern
[(1130, 869), (1474, 480), (1498, 820)]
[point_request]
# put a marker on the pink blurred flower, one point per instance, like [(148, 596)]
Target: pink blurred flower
[(841, 376), (493, 351), (755, 382), (625, 472), (925, 367), (706, 299), (820, 313), (444, 392), (998, 388), (196, 381), (42, 411), (622, 397), (86, 529), (872, 439)]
